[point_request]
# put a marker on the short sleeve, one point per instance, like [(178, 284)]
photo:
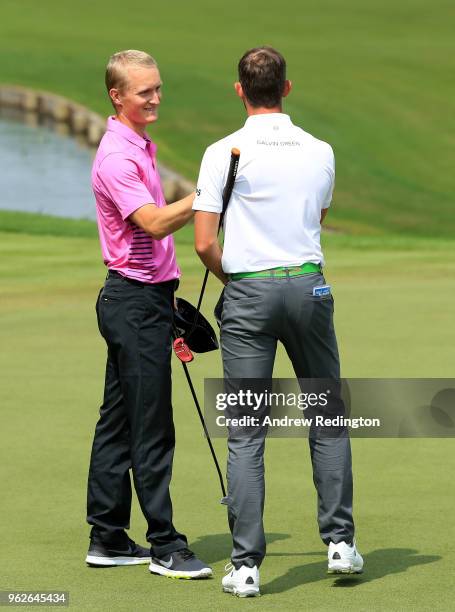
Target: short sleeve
[(122, 183), (209, 191), (330, 169)]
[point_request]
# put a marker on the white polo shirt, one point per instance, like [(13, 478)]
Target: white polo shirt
[(284, 179)]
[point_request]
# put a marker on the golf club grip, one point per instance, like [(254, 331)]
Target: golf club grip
[(232, 173)]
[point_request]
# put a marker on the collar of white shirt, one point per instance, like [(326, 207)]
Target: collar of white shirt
[(263, 119)]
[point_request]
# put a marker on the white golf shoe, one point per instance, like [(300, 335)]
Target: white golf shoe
[(344, 559), (243, 582)]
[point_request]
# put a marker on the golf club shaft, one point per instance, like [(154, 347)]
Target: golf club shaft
[(227, 192), (204, 427), (201, 295)]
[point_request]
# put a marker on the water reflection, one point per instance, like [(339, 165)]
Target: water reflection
[(44, 171)]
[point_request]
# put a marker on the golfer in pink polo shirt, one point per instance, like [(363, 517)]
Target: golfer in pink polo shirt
[(135, 311)]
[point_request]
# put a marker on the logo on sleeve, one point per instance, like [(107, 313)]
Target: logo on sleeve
[(198, 192)]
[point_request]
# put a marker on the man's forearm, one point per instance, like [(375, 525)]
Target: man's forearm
[(160, 222), (206, 242), (211, 258), (172, 217)]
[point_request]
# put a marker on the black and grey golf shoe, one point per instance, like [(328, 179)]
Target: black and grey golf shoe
[(180, 564), (100, 555)]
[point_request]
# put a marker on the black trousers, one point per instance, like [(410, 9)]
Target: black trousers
[(135, 429)]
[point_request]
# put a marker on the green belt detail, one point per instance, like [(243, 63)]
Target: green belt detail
[(280, 272)]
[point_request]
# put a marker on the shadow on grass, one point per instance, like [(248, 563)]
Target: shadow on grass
[(378, 564), (218, 546)]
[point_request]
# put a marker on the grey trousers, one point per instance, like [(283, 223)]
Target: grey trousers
[(257, 313)]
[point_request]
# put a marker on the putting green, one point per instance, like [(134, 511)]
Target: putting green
[(393, 318)]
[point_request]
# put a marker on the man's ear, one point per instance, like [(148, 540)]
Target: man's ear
[(114, 95), (287, 87), (239, 90)]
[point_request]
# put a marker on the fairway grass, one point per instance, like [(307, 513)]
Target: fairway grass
[(394, 309)]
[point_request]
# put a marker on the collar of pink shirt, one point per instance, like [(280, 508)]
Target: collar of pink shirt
[(114, 125)]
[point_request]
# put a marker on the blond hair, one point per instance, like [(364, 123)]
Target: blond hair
[(116, 69)]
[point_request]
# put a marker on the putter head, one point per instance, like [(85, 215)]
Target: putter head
[(199, 337)]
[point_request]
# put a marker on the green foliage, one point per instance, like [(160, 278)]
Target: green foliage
[(371, 78)]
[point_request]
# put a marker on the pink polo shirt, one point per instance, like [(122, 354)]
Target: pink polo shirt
[(124, 178)]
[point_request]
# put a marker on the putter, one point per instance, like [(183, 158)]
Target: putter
[(183, 352), (181, 348)]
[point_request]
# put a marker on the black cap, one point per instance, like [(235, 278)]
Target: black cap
[(200, 336)]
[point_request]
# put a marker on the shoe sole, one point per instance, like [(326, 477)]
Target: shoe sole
[(237, 593), (340, 569), (95, 561), (154, 568)]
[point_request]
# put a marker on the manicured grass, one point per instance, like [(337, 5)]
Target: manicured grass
[(46, 225), (393, 318), (369, 77)]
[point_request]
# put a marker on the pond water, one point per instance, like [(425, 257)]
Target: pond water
[(42, 171)]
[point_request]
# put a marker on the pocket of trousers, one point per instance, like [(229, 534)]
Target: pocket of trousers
[(218, 311), (97, 310), (120, 314), (111, 297), (328, 299), (244, 299), (317, 298)]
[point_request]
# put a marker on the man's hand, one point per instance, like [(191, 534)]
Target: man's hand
[(206, 242), (160, 222)]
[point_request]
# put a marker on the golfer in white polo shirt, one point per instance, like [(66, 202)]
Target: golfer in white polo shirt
[(271, 264)]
